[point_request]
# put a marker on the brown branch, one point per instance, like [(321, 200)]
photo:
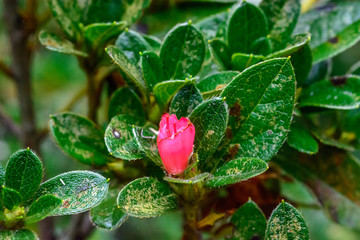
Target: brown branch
[(6, 70), (9, 124)]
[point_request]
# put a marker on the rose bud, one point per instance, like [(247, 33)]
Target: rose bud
[(175, 142)]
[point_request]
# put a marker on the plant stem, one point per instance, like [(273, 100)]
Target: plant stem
[(190, 222), (91, 92)]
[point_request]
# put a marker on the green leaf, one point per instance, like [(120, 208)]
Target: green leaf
[(198, 178), (246, 24), (55, 43), (286, 222), (146, 197), (236, 171), (336, 93), (333, 29), (24, 173), (120, 139), (10, 198), (44, 206), (302, 63), (241, 61), (214, 26), (125, 101), (185, 101), (182, 52), (249, 222), (132, 44), (79, 191), (153, 41), (216, 81), (133, 9), (2, 175), (146, 140), (127, 68), (261, 102), (99, 34), (262, 46), (282, 16), (152, 69), (210, 119), (300, 139), (21, 234), (65, 18), (295, 43), (80, 138), (220, 52), (107, 215), (165, 91)]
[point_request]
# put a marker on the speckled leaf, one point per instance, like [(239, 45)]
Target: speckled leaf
[(66, 19), (236, 171), (24, 173), (216, 81), (261, 102), (99, 34), (10, 198), (80, 138), (249, 222), (165, 91), (133, 9), (300, 139), (333, 28), (44, 206), (146, 197), (146, 140), (210, 120), (294, 44), (241, 61), (127, 68), (78, 190), (152, 69), (185, 101), (125, 101), (282, 16), (247, 23), (302, 63), (154, 42), (107, 215), (55, 43), (193, 180), (220, 53), (182, 52), (2, 175), (120, 139), (21, 234), (213, 26), (336, 93), (286, 222), (132, 44)]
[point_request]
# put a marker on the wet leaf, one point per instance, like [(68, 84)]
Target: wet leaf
[(249, 222), (125, 101), (41, 208), (24, 172), (146, 197), (80, 138), (210, 120), (185, 101), (286, 222), (247, 23), (236, 171), (79, 191), (165, 91), (107, 215), (182, 52), (261, 103), (120, 139), (55, 43), (216, 81)]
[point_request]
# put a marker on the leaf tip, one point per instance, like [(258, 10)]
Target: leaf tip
[(223, 99), (268, 36), (28, 148), (189, 22), (288, 58), (140, 53), (108, 179), (126, 29)]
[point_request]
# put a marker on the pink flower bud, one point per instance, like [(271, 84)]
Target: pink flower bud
[(175, 142)]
